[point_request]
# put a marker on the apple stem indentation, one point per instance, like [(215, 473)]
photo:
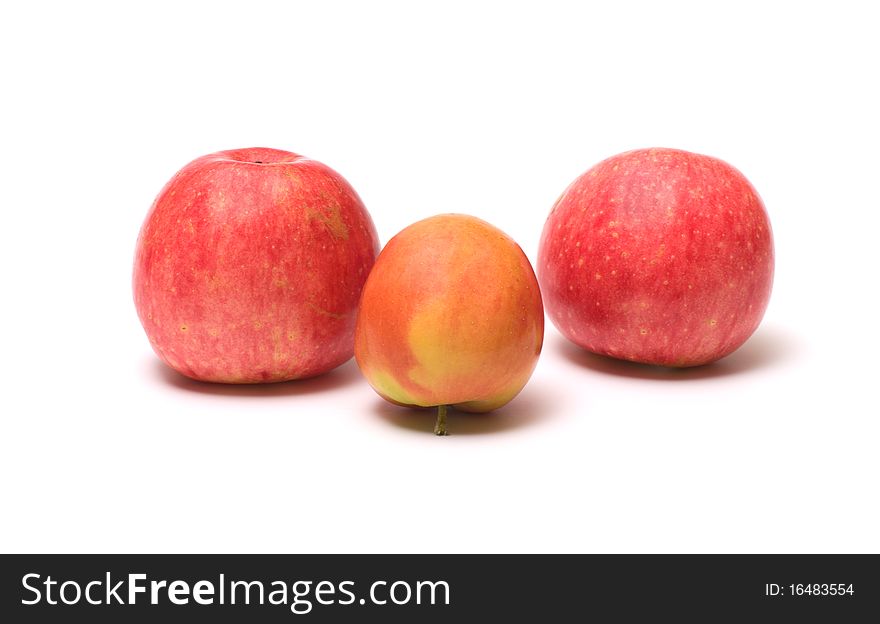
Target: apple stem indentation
[(440, 426)]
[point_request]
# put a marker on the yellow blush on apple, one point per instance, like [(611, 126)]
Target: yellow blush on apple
[(450, 315)]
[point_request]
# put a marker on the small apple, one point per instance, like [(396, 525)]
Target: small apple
[(451, 314), (658, 256), (249, 267)]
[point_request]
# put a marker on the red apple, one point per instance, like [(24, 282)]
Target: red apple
[(450, 315), (658, 256), (249, 267)]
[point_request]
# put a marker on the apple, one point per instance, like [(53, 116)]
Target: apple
[(451, 315), (249, 267), (659, 256)]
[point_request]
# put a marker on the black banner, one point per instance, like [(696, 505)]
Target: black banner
[(437, 588)]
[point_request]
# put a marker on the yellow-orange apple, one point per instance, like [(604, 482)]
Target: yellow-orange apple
[(451, 314)]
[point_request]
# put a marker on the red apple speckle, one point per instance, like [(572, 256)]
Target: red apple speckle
[(250, 265), (659, 256)]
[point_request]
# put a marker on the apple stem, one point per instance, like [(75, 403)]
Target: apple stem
[(440, 426)]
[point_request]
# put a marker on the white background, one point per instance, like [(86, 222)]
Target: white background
[(476, 107)]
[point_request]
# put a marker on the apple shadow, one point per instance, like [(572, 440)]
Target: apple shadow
[(767, 347), (339, 377), (530, 407)]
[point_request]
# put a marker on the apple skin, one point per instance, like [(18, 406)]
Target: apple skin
[(658, 256), (451, 314), (249, 267)]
